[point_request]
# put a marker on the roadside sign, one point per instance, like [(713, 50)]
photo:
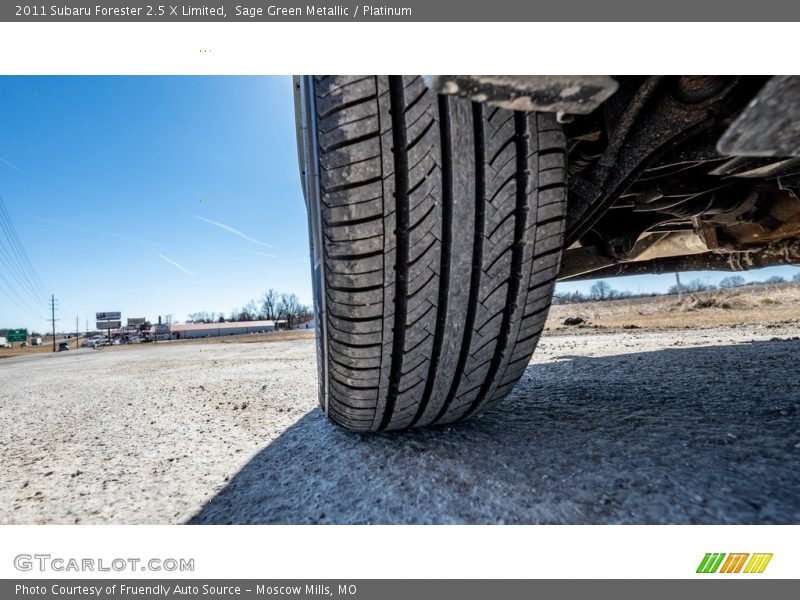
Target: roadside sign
[(108, 316), (136, 322), (108, 324), (162, 328), (17, 335)]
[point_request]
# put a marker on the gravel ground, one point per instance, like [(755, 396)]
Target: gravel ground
[(699, 426)]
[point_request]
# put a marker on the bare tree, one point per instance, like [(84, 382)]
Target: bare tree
[(251, 308), (290, 308), (732, 281), (306, 313), (269, 304), (243, 314), (601, 290)]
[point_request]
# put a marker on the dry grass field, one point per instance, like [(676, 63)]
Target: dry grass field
[(755, 305)]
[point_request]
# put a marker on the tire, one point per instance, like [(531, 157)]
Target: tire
[(442, 225)]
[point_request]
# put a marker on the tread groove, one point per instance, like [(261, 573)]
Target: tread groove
[(477, 254), (399, 151), (345, 105), (522, 136), (361, 138), (444, 260), (349, 186)]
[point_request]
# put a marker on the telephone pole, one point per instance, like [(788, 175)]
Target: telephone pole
[(77, 334), (53, 318)]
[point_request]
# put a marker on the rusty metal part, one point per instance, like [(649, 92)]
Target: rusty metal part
[(786, 252), (770, 125), (575, 261), (653, 123), (771, 213), (565, 94), (585, 259), (662, 245)]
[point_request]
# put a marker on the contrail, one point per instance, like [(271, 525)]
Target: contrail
[(146, 244), (8, 164), (93, 230), (230, 229), (261, 253), (177, 266)]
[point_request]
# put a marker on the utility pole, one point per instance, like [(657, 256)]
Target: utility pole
[(77, 334), (680, 287), (53, 318)]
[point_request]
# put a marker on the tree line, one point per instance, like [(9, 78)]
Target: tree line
[(271, 306), (602, 290)]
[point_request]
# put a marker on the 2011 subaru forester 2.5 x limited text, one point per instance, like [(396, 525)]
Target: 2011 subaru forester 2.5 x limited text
[(442, 211)]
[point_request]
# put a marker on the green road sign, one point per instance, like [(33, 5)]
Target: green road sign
[(17, 335)]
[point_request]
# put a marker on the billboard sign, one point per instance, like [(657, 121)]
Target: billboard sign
[(17, 335), (108, 324), (136, 322), (108, 316)]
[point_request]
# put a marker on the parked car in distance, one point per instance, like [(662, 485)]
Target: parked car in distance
[(36, 341), (4, 343), (63, 345), (95, 341)]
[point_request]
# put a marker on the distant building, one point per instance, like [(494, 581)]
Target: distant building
[(184, 331)]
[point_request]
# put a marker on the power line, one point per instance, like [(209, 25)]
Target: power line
[(21, 250), (16, 299), (17, 258), (13, 270), (18, 254), (14, 260)]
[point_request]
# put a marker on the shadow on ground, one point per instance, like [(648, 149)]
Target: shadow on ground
[(700, 435)]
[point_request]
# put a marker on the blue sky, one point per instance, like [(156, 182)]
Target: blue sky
[(128, 192), (163, 195)]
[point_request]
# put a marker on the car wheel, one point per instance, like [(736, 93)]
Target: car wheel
[(441, 225)]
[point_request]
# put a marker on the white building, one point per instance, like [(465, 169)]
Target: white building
[(183, 331)]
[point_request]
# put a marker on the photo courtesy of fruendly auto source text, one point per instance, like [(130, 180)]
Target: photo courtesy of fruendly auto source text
[(286, 311)]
